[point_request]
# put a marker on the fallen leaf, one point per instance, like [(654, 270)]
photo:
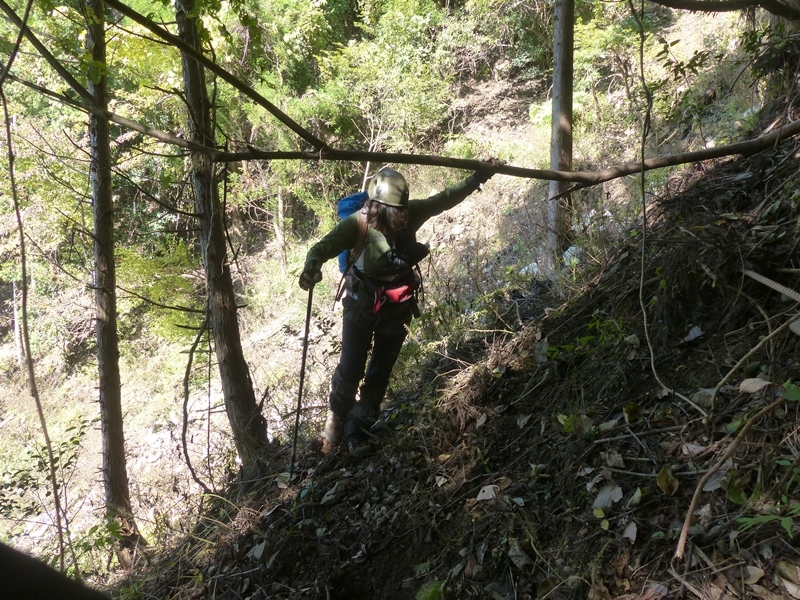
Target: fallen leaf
[(753, 575), (791, 588), (668, 483), (432, 590), (583, 424), (282, 480), (764, 594), (791, 392), (660, 589), (422, 568), (637, 497), (613, 459), (333, 494), (788, 571), (694, 333), (607, 496), (257, 551), (632, 339), (517, 555), (488, 492), (794, 326), (719, 480), (481, 421), (752, 385), (630, 532), (630, 411), (693, 449), (702, 397), (504, 482), (522, 420)]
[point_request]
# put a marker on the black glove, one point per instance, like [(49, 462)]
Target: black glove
[(408, 251), (398, 261), (482, 176), (310, 276), (415, 253)]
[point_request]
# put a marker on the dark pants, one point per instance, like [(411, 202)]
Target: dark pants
[(364, 332)]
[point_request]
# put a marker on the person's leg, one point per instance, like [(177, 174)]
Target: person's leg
[(356, 341), (390, 333)]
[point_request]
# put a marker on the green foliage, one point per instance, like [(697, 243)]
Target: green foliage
[(386, 91), (432, 590), (772, 50), (786, 519), (525, 28), (160, 278), (24, 482)]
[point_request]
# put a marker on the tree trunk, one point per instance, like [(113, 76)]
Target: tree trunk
[(17, 328), (115, 474), (558, 208), (247, 424), (279, 226)]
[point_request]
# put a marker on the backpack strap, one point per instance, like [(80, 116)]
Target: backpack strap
[(361, 242)]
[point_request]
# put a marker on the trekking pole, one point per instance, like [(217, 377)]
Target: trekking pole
[(302, 379)]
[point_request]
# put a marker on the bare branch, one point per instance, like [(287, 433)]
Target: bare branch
[(583, 178), (776, 8)]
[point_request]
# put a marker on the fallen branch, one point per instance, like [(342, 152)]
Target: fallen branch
[(582, 178)]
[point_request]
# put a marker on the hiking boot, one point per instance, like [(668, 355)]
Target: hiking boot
[(334, 429), (359, 448)]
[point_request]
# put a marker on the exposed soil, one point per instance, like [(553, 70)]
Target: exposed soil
[(562, 461)]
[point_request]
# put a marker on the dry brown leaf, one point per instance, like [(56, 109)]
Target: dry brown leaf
[(752, 385), (759, 591)]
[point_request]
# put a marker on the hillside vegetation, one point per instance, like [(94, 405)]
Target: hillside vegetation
[(542, 439)]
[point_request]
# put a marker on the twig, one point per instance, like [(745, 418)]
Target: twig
[(640, 434), (685, 583), (728, 453), (755, 349), (186, 375)]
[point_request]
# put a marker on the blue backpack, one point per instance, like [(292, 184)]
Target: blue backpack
[(346, 207)]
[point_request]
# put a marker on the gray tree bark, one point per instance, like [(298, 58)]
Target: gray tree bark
[(558, 203), (115, 473), (247, 424)]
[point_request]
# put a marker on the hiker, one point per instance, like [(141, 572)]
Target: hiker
[(380, 301)]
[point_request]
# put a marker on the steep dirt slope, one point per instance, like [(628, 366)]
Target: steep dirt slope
[(563, 460)]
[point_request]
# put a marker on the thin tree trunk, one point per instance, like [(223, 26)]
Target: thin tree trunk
[(115, 474), (559, 207), (279, 225), (247, 424), (17, 328)]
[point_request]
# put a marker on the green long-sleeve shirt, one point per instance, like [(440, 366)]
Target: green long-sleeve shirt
[(373, 261)]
